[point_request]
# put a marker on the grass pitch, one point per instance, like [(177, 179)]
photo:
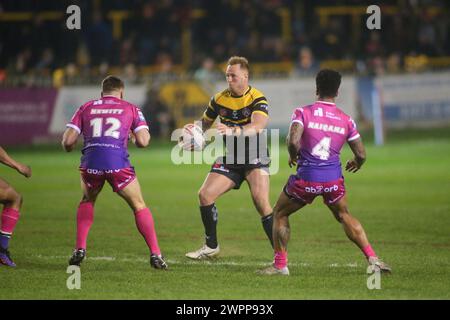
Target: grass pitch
[(401, 196)]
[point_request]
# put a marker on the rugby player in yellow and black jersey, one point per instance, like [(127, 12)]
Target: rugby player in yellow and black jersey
[(243, 114)]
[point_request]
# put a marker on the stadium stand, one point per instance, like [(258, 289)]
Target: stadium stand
[(140, 38)]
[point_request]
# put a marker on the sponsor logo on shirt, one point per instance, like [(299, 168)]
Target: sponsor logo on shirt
[(318, 112), (331, 115), (223, 112)]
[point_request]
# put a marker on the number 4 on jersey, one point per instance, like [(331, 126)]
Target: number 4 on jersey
[(322, 149)]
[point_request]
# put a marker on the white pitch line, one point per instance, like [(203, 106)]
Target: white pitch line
[(192, 262), (103, 258)]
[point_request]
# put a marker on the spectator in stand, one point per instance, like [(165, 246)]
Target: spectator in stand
[(306, 64), (207, 74)]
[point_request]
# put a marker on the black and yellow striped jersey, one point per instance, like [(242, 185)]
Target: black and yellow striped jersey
[(248, 151), (236, 110)]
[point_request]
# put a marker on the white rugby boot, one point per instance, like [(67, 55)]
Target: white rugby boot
[(204, 252), (274, 271), (379, 265)]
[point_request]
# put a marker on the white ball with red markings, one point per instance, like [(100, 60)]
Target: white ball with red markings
[(192, 138)]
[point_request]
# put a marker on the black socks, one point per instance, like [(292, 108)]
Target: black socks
[(209, 218), (267, 223)]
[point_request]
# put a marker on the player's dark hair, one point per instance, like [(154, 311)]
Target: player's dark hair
[(111, 84), (327, 83)]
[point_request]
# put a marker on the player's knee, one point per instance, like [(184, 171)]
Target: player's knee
[(138, 207), (15, 198), (137, 204), (262, 205), (276, 211), (206, 197), (278, 214), (341, 216), (86, 198)]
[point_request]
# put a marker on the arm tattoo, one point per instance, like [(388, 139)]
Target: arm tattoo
[(293, 139)]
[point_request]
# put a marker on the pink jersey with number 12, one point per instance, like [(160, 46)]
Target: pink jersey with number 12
[(105, 125)]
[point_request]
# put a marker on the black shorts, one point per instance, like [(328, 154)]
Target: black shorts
[(237, 173)]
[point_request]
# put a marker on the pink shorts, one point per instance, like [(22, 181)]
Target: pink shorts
[(306, 191), (118, 179)]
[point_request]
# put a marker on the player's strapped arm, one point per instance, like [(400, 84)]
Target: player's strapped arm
[(293, 142), (209, 116), (258, 123), (10, 162), (204, 123), (359, 151), (69, 139)]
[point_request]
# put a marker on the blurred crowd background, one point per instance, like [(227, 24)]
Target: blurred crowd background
[(167, 38)]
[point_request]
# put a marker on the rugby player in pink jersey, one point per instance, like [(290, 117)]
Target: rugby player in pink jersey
[(106, 125), (12, 202), (316, 137)]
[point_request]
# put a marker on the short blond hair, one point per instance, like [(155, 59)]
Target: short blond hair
[(243, 62)]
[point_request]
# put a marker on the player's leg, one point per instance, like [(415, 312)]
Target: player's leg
[(355, 232), (213, 187), (144, 221), (91, 188), (85, 212), (258, 181), (352, 227), (284, 207), (12, 202)]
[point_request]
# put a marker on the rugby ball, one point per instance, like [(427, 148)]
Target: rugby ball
[(192, 138)]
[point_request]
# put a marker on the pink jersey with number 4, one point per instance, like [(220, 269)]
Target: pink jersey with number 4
[(326, 128), (105, 125)]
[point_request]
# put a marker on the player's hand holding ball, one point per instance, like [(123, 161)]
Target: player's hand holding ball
[(192, 138), (224, 130)]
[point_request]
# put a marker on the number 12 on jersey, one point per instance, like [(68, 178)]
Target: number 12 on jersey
[(322, 149), (112, 131)]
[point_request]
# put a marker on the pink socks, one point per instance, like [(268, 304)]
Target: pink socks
[(85, 217), (368, 251), (9, 219), (280, 260), (146, 226), (144, 223)]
